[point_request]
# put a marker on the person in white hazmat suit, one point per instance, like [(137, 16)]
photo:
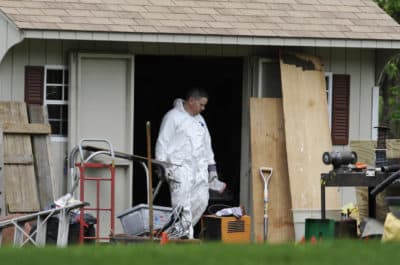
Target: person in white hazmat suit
[(184, 141)]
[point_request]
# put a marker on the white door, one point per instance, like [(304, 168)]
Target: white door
[(101, 106)]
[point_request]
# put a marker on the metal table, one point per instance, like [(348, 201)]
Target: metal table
[(350, 178)]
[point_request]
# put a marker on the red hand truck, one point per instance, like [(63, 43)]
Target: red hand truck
[(84, 178)]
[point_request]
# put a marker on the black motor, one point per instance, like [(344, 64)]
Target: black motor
[(338, 159)]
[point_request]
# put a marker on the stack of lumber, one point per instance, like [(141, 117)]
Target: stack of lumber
[(290, 135), (25, 178)]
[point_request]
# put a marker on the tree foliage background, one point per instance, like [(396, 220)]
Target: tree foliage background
[(392, 7), (390, 79)]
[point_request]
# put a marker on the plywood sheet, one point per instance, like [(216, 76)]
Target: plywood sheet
[(19, 180), (268, 150), (306, 129)]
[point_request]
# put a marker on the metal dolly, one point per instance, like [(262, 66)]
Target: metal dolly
[(85, 164)]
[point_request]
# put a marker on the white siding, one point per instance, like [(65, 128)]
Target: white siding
[(9, 35), (56, 50), (353, 67), (20, 59), (367, 83), (6, 76), (3, 32), (38, 52)]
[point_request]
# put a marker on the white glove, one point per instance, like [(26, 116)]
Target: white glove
[(235, 211), (214, 183)]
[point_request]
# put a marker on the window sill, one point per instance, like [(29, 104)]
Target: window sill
[(59, 139)]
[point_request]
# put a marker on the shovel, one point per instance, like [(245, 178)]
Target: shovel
[(266, 179)]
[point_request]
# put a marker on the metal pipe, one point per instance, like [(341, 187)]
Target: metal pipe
[(381, 186), (150, 188), (71, 166)]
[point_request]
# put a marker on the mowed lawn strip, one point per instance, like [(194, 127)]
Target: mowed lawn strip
[(335, 252)]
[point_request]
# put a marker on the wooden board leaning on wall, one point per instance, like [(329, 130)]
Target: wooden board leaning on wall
[(19, 176), (307, 130), (268, 150)]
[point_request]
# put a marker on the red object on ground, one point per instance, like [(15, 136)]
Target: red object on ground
[(164, 238)]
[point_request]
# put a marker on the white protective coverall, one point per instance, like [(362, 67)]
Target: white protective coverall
[(184, 141)]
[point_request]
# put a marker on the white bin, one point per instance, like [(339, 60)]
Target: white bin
[(135, 221)]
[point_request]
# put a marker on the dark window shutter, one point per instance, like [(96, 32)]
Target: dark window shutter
[(34, 76), (340, 109)]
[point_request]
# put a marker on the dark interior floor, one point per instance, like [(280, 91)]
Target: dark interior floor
[(161, 79)]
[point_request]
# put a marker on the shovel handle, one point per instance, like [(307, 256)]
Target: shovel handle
[(266, 169), (266, 180)]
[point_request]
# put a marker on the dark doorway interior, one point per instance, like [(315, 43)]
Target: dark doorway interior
[(161, 79)]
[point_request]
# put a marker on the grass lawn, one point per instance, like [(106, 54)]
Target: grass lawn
[(336, 252)]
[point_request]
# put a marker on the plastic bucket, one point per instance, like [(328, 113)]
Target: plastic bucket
[(320, 229), (300, 216)]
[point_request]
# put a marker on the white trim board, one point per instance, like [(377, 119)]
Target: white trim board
[(375, 112), (210, 39)]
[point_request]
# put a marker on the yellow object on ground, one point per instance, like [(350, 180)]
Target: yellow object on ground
[(228, 229), (391, 228), (350, 210)]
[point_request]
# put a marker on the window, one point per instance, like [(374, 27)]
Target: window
[(56, 98), (48, 86)]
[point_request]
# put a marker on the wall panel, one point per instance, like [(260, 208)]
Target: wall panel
[(6, 91), (367, 81)]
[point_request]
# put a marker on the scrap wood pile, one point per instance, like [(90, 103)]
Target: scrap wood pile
[(290, 134), (25, 175)]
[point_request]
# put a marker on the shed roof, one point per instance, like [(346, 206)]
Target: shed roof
[(317, 19)]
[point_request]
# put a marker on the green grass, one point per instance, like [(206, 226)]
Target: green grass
[(329, 252)]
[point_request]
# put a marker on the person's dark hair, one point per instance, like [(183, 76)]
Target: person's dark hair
[(196, 92)]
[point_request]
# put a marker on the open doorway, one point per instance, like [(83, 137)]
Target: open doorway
[(161, 79)]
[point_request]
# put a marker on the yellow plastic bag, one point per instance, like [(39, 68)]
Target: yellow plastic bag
[(391, 228)]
